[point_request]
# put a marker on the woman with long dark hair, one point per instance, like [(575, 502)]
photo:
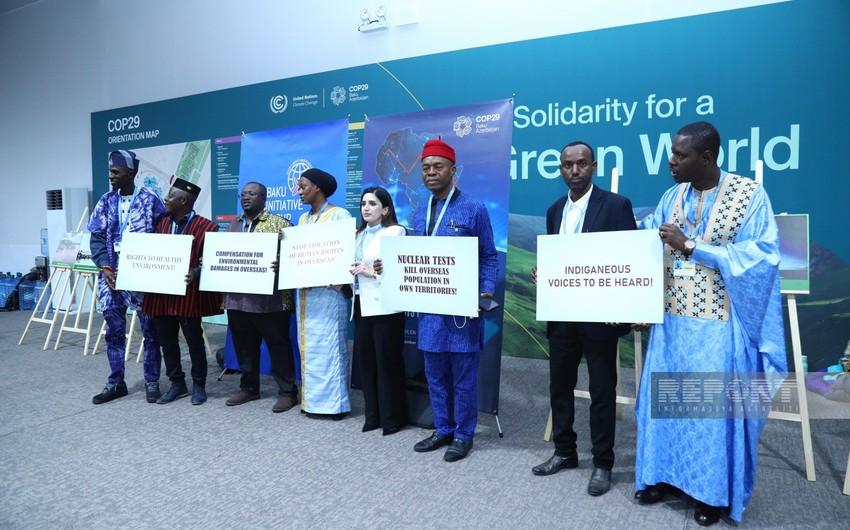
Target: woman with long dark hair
[(379, 333)]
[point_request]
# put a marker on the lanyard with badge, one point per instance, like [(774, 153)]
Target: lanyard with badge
[(685, 268), (123, 220), (440, 217)]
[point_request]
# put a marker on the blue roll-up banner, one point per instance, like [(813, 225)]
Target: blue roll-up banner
[(481, 137)]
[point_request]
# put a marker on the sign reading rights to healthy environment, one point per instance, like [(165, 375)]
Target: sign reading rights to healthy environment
[(317, 254), (430, 275), (239, 263), (154, 263), (600, 277)]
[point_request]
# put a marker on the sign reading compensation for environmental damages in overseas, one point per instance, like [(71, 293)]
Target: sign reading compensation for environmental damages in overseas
[(239, 263), (430, 275), (154, 263), (317, 255), (600, 277)]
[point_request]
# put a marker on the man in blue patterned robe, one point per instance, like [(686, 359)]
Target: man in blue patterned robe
[(722, 316), (126, 208)]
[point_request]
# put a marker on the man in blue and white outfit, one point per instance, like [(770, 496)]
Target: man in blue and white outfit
[(126, 208), (452, 345), (722, 315)]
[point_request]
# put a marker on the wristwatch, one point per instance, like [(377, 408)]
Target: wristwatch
[(690, 245)]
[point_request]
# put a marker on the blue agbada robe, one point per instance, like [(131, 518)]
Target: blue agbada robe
[(714, 460), (145, 212)]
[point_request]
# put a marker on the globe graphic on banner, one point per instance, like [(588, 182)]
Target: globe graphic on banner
[(294, 173)]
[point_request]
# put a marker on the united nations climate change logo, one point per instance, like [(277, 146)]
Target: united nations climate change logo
[(463, 126), (278, 103), (294, 172), (338, 95)]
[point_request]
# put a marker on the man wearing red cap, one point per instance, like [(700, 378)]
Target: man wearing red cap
[(452, 345)]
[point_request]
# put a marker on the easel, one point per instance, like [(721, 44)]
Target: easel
[(621, 400), (89, 279), (57, 275), (799, 376), (61, 273)]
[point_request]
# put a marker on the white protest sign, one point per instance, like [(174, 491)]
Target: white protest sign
[(600, 277), (239, 263), (154, 263), (317, 255), (430, 274)]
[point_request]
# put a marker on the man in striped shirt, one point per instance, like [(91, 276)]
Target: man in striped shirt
[(171, 312)]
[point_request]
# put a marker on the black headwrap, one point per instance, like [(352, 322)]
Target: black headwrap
[(322, 179)]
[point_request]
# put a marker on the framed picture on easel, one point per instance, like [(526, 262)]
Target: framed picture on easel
[(794, 247)]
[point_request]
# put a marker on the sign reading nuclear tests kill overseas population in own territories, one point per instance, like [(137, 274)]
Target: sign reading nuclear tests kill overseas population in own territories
[(236, 262), (430, 274), (154, 263), (600, 277), (317, 255)]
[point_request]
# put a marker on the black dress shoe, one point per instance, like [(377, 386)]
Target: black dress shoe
[(110, 391), (152, 392), (555, 464), (433, 442), (650, 495), (706, 515), (178, 390), (600, 481), (390, 431), (370, 427), (458, 450)]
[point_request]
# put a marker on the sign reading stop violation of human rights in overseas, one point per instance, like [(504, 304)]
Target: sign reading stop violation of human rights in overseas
[(600, 277), (430, 275), (239, 263), (317, 255), (154, 263)]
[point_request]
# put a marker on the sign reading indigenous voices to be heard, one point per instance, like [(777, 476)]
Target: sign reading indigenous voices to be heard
[(318, 254), (430, 275), (154, 263), (600, 277), (239, 263)]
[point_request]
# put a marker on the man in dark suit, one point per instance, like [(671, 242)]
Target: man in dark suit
[(586, 208)]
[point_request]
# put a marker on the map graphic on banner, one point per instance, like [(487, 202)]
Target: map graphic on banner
[(277, 158), (160, 165), (480, 134)]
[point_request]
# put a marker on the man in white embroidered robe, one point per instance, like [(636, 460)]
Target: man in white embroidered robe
[(722, 315)]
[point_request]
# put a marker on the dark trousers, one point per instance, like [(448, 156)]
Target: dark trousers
[(567, 344), (167, 328), (248, 330), (379, 341)]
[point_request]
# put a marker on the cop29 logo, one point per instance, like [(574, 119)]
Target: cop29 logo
[(278, 103), (463, 126), (338, 95)]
